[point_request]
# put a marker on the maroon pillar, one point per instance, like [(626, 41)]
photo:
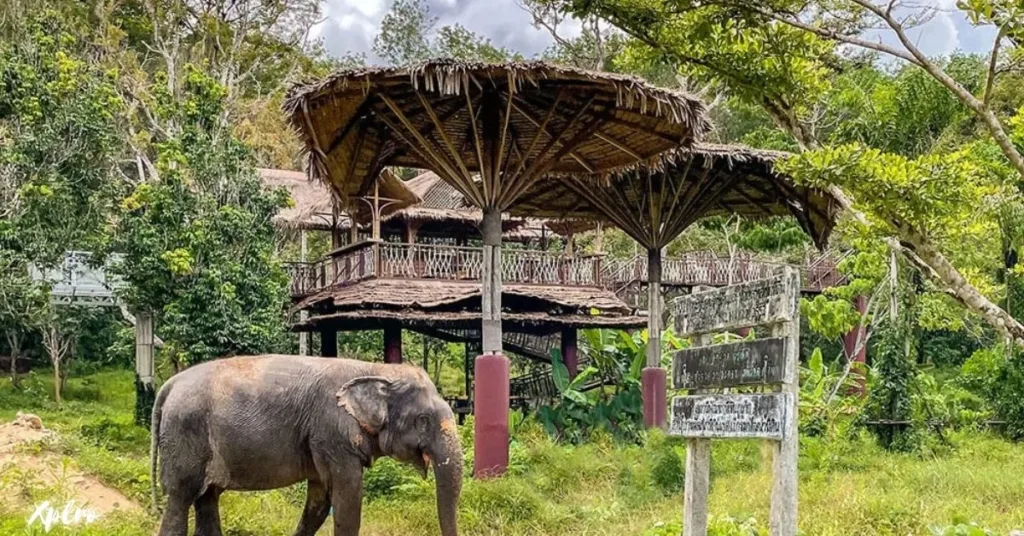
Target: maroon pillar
[(490, 416), (393, 343), (859, 357), (329, 343), (570, 355), (653, 391)]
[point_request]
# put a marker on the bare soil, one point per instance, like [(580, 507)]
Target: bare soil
[(47, 469)]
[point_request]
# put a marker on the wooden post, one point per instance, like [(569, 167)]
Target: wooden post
[(303, 314), (328, 342), (491, 370), (698, 469), (703, 415), (491, 281), (375, 231), (393, 343), (653, 377), (856, 349), (783, 515), (145, 393), (570, 353)]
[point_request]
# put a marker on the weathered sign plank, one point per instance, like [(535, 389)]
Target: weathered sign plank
[(757, 362), (764, 416), (765, 301)]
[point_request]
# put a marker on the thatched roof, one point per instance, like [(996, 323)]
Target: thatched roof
[(400, 294), (653, 206), (462, 118), (533, 322), (314, 203)]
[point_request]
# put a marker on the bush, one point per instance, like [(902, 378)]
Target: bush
[(387, 478), (1000, 381)]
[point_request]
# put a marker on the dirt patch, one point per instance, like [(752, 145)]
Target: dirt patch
[(45, 469)]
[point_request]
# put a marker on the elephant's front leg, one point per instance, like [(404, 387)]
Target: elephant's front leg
[(347, 497), (315, 512)]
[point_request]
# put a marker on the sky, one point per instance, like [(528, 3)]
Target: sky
[(350, 26)]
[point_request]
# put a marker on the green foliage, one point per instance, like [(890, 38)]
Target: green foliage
[(407, 36), (387, 478), (998, 376), (826, 407), (828, 317), (889, 392), (577, 416), (960, 529), (198, 242)]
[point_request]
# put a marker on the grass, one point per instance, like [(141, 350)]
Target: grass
[(848, 488)]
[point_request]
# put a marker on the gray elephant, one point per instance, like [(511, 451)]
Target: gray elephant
[(266, 422)]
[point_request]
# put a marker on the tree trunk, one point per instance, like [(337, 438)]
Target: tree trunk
[(14, 341), (57, 382), (961, 289)]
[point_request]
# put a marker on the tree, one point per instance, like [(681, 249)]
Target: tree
[(197, 238), (768, 56), (407, 35), (58, 146)]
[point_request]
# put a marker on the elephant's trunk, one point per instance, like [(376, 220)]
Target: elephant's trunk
[(447, 457)]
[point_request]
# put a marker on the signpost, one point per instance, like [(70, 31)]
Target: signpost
[(707, 413)]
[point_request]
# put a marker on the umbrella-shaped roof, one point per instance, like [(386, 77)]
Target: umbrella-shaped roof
[(654, 205), (510, 123), (314, 203)]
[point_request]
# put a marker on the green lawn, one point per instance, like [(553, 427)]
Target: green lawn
[(848, 488)]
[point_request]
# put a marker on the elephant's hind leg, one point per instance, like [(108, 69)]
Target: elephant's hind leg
[(315, 512), (208, 513)]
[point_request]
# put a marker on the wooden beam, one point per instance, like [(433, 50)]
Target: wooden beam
[(487, 194), (542, 128)]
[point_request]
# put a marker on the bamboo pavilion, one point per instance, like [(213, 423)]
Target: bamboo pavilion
[(533, 140)]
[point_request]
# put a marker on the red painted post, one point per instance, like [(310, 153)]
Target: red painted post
[(490, 416), (393, 343), (856, 336), (653, 392), (570, 353)]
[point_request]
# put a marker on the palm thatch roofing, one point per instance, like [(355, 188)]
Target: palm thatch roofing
[(427, 295), (511, 123), (314, 207), (654, 205)]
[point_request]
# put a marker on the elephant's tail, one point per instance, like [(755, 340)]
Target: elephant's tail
[(154, 443)]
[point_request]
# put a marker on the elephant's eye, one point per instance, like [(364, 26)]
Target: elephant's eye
[(423, 423)]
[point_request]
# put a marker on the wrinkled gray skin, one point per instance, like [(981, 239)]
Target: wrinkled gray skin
[(265, 422)]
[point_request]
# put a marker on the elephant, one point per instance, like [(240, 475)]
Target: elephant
[(270, 421)]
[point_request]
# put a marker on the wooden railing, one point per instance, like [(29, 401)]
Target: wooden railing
[(341, 267), (704, 268), (434, 261)]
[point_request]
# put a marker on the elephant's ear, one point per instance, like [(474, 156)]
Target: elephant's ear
[(366, 399)]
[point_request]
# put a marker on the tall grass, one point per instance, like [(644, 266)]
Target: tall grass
[(849, 487)]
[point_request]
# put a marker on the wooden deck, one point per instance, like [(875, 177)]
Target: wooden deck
[(370, 259)]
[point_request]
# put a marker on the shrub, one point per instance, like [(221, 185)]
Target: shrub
[(386, 478)]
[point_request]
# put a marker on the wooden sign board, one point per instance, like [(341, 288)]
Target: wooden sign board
[(758, 362), (761, 416), (765, 301)]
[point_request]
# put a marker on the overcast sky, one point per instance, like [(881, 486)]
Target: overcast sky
[(350, 26)]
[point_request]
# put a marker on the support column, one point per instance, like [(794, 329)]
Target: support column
[(491, 376), (393, 343), (303, 314), (328, 343), (145, 390), (857, 337), (570, 354), (653, 378), (491, 281)]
